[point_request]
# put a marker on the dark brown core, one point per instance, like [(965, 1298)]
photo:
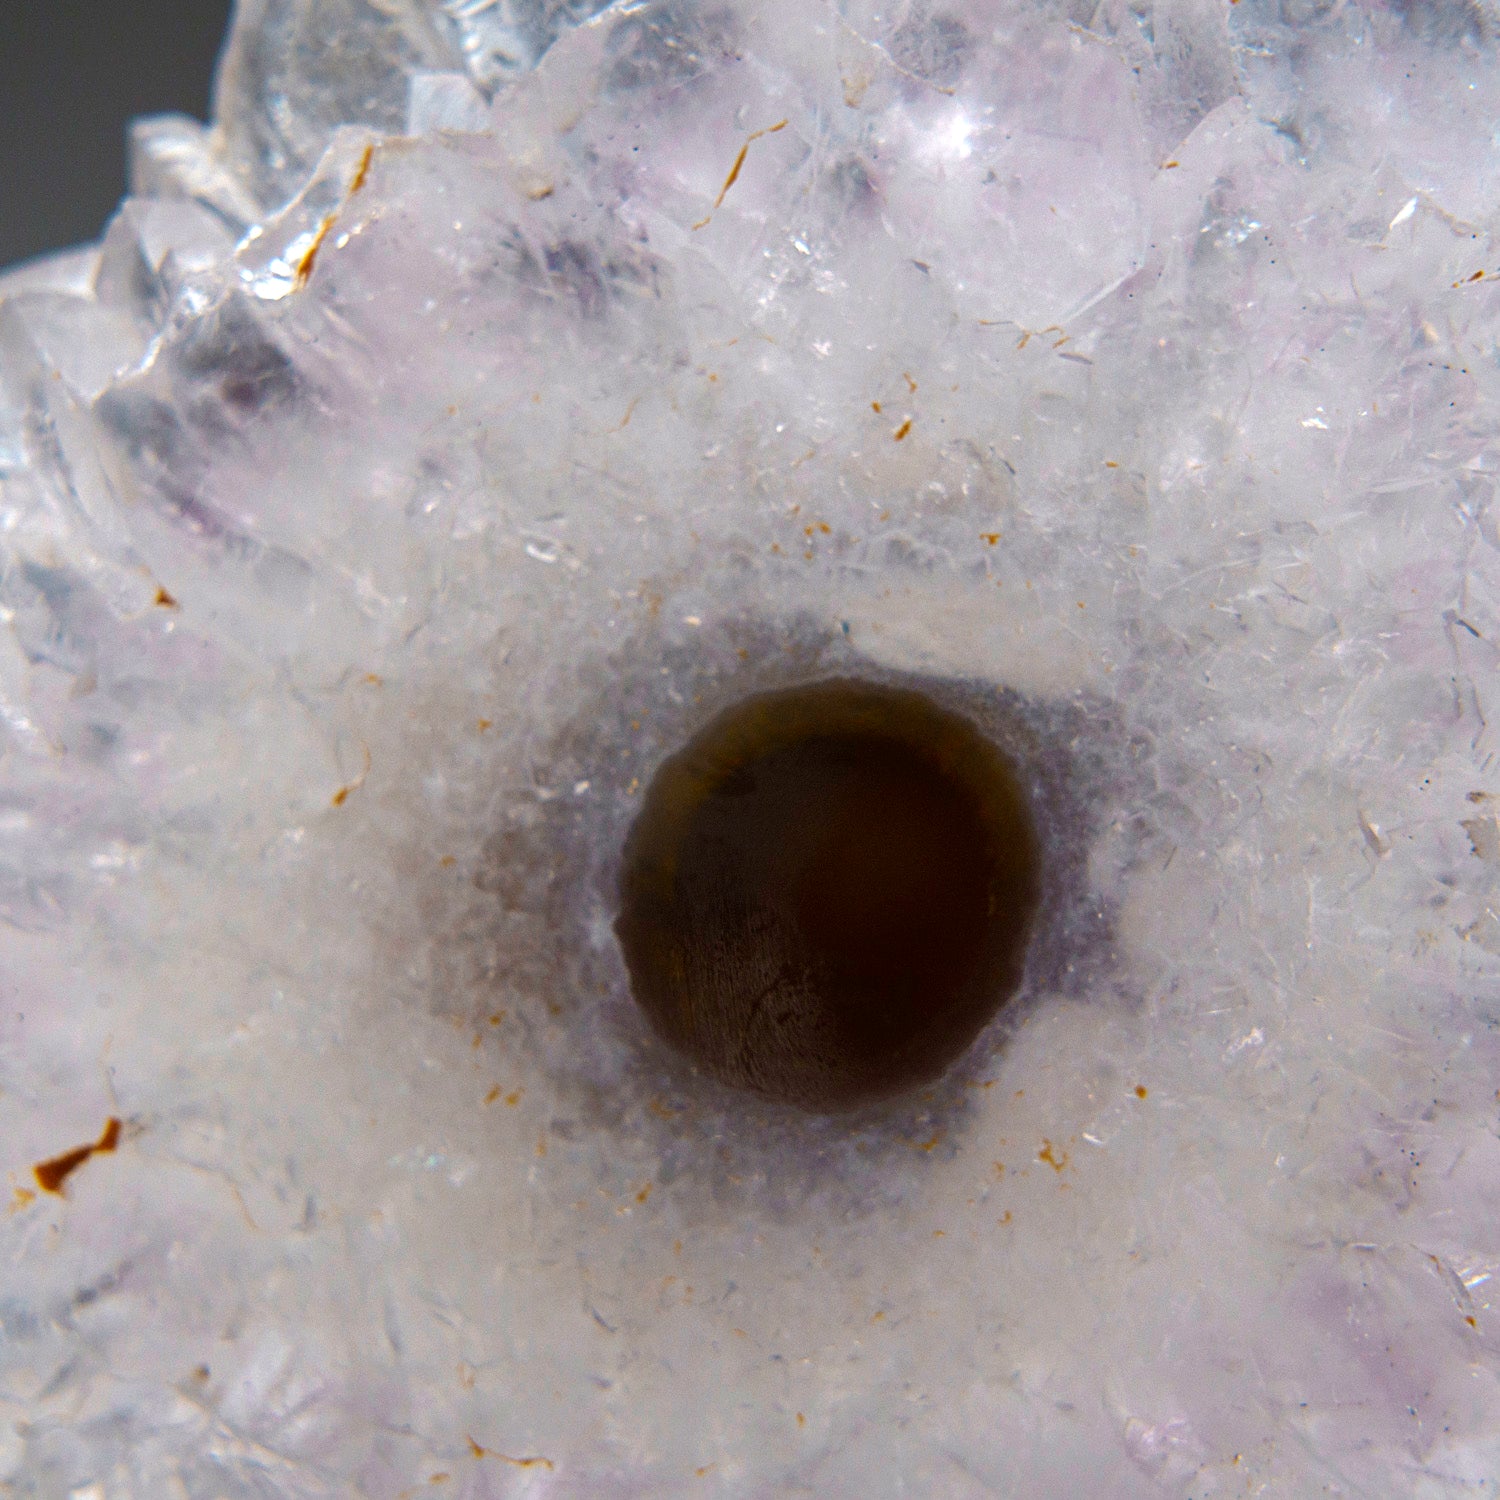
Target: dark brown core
[(828, 891)]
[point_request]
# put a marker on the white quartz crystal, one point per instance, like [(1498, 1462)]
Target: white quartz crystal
[(492, 391)]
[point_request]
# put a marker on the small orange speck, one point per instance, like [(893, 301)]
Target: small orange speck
[(801, 1420), (999, 1168), (1167, 166), (163, 599), (514, 1098), (676, 1247), (911, 384), (1051, 1157), (439, 1479), (1004, 1218), (1081, 604), (485, 724), (1109, 463), (931, 1143), (493, 1094), (940, 1234), (1477, 276), (21, 1198), (1141, 1091), (520, 1463), (1472, 1321), (902, 430), (541, 1145), (990, 537), (374, 679), (703, 1469), (341, 796), (877, 1317), (447, 862), (875, 407), (644, 1193), (497, 1018)]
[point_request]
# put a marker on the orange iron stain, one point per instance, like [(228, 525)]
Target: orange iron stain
[(362, 171), (304, 269), (739, 162), (1053, 1160), (50, 1175)]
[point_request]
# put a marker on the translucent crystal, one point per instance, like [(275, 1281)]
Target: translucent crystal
[(494, 392)]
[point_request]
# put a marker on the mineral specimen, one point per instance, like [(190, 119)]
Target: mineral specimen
[(495, 394)]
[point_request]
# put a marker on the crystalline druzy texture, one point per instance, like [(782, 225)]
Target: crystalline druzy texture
[(495, 392)]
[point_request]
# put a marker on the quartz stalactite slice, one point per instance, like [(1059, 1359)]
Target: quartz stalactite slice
[(493, 396)]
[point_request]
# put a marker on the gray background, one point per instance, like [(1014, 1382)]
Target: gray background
[(72, 72)]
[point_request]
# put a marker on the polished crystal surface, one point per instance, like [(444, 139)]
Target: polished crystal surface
[(493, 390)]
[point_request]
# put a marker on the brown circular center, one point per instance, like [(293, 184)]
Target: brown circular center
[(828, 891)]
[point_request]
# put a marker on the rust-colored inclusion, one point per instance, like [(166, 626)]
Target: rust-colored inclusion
[(50, 1175), (828, 892)]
